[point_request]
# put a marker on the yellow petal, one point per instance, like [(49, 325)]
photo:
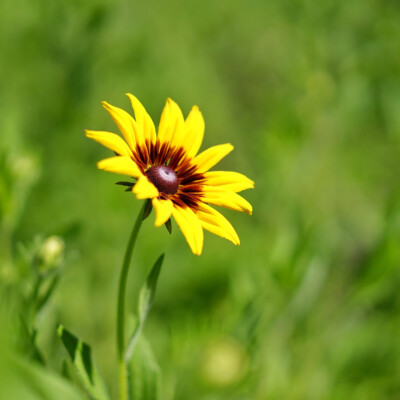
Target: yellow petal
[(145, 125), (225, 198), (190, 226), (110, 140), (144, 189), (170, 130), (193, 132), (208, 158), (163, 210), (228, 180), (216, 223), (120, 165), (124, 121)]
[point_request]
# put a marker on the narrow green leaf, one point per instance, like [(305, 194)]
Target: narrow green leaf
[(65, 370), (81, 357), (147, 209), (42, 300), (28, 342), (148, 291), (23, 380), (168, 225), (125, 183), (146, 297), (144, 373), (70, 341)]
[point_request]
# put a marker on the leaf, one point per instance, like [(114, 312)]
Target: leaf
[(129, 185), (144, 373), (146, 297), (125, 183), (81, 357), (28, 342), (23, 380), (168, 225), (42, 300), (66, 370), (147, 209)]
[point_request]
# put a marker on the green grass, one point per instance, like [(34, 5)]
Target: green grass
[(309, 95)]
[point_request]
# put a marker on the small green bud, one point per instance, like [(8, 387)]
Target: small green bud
[(51, 253)]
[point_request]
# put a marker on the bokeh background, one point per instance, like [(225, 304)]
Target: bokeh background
[(309, 94)]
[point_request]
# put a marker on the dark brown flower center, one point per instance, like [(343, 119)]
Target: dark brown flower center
[(163, 178)]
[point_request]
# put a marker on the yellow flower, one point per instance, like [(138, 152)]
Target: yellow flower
[(171, 173)]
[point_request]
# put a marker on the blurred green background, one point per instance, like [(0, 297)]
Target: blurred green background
[(309, 94)]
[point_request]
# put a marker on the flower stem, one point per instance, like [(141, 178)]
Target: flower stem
[(123, 378)]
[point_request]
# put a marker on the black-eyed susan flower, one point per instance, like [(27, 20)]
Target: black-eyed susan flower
[(169, 171)]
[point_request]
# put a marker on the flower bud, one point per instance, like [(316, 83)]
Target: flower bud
[(51, 253)]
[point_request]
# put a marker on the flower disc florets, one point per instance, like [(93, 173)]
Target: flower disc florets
[(163, 178)]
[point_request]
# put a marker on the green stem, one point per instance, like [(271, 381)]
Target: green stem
[(123, 380)]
